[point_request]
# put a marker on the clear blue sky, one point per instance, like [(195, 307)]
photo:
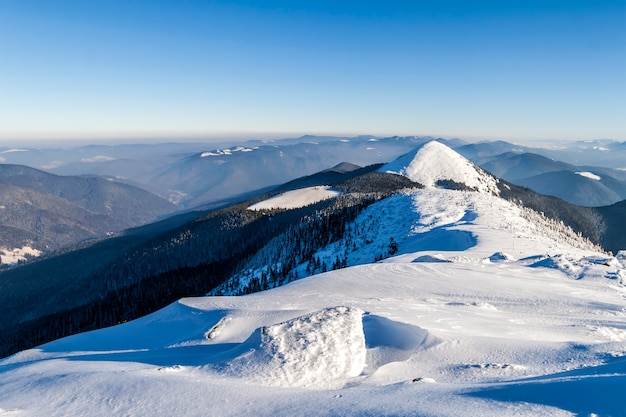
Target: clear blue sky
[(194, 69)]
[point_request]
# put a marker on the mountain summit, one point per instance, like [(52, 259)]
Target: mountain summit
[(434, 163)]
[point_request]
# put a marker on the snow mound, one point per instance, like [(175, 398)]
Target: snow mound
[(432, 258), (434, 162), (560, 262), (317, 350), (296, 198)]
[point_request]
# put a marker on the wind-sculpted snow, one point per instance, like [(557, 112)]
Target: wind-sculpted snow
[(311, 351), (437, 339), (389, 341)]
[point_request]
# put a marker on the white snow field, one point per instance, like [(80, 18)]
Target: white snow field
[(487, 310), (435, 161), (589, 175), (296, 198), (14, 255)]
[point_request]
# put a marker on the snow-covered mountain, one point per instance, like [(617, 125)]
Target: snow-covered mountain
[(223, 173), (194, 174), (479, 307), (434, 163), (435, 221)]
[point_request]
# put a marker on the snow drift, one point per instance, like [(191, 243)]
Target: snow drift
[(317, 350)]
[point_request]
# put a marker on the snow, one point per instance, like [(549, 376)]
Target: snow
[(435, 162), (384, 339), (98, 158), (441, 225), (14, 150), (221, 152), (296, 198), (589, 175), (52, 165), (14, 255), (486, 309), (313, 350)]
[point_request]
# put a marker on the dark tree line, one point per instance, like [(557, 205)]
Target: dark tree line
[(118, 306)]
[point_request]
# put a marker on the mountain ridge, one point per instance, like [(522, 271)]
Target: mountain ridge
[(56, 211), (182, 259), (479, 305)]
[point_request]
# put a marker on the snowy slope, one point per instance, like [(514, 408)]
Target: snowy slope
[(489, 331), (485, 309), (459, 226), (10, 256), (296, 198), (427, 220), (434, 162), (434, 339)]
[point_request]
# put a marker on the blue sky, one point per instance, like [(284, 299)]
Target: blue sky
[(184, 69)]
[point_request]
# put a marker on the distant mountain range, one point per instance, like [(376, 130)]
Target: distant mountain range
[(48, 212), (101, 189), (582, 185), (197, 174), (192, 175)]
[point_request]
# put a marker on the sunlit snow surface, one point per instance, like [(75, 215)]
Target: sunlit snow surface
[(296, 198), (13, 255), (483, 312), (435, 161), (486, 309), (589, 175)]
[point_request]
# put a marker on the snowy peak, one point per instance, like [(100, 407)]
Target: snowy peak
[(434, 164)]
